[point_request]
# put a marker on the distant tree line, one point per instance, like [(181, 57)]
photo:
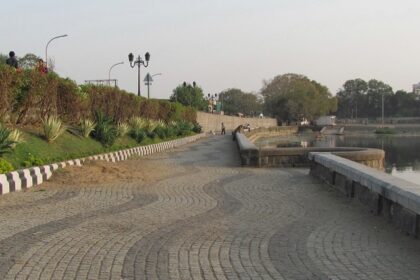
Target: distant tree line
[(361, 99)]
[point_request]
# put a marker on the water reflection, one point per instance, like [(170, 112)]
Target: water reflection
[(402, 153)]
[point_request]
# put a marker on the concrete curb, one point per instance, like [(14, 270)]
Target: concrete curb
[(30, 177)]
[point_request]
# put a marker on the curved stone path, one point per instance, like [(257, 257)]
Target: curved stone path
[(213, 220)]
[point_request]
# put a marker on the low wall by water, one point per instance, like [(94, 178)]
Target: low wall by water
[(395, 199), (251, 155), (255, 134), (298, 157), (213, 122)]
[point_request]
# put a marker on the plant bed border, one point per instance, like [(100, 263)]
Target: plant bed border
[(30, 177)]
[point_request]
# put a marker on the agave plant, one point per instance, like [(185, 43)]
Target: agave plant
[(16, 137), (5, 143), (137, 123), (161, 129), (123, 129), (105, 132), (86, 127), (52, 128), (137, 126)]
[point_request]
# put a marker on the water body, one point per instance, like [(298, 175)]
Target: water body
[(402, 153)]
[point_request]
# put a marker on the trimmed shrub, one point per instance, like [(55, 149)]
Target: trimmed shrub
[(32, 160), (5, 166), (52, 128)]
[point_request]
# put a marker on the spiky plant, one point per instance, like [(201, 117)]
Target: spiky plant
[(86, 127), (5, 143), (16, 137), (137, 123), (52, 128), (161, 129), (105, 132), (123, 129)]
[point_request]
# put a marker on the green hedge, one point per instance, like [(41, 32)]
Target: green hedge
[(27, 96)]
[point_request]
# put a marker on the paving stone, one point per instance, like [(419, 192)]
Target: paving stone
[(213, 220)]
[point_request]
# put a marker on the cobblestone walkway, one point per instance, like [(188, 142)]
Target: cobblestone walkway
[(213, 220)]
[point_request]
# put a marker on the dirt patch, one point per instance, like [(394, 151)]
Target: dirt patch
[(102, 172)]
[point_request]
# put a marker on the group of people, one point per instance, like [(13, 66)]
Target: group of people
[(13, 62), (241, 127)]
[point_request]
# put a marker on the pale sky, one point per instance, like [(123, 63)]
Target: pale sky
[(221, 44)]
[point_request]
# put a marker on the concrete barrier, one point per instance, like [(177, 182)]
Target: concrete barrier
[(253, 156), (30, 177), (393, 198), (298, 157), (260, 132), (248, 152), (213, 122)]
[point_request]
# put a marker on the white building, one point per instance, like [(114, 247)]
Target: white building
[(416, 88), (325, 121)]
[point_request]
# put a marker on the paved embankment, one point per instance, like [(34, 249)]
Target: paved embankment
[(212, 220)]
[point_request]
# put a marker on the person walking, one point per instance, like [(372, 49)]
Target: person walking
[(41, 67), (12, 61), (223, 129)]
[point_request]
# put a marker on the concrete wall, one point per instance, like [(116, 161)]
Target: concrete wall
[(251, 155), (396, 200), (298, 157), (255, 134), (213, 122)]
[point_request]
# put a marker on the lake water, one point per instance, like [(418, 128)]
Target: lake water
[(402, 153)]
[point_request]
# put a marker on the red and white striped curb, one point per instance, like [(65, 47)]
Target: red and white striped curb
[(26, 178)]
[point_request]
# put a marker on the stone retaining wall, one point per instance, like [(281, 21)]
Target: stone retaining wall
[(213, 122), (395, 199), (26, 178), (255, 134)]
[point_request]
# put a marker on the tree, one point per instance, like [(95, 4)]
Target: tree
[(351, 98), (294, 97), (28, 61), (236, 101), (374, 98), (189, 95)]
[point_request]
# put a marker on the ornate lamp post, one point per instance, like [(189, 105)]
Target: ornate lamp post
[(139, 61), (212, 101), (46, 48), (109, 72)]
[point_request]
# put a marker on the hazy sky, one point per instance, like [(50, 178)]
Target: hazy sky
[(221, 44)]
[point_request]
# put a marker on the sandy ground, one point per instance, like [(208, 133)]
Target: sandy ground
[(102, 172)]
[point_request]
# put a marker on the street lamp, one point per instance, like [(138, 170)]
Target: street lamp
[(139, 62), (109, 72), (148, 82), (46, 48), (211, 98)]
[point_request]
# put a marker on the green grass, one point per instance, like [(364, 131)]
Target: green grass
[(36, 151), (385, 130)]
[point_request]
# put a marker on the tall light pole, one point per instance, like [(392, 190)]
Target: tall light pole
[(382, 109), (139, 62), (46, 48), (109, 72), (148, 82)]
